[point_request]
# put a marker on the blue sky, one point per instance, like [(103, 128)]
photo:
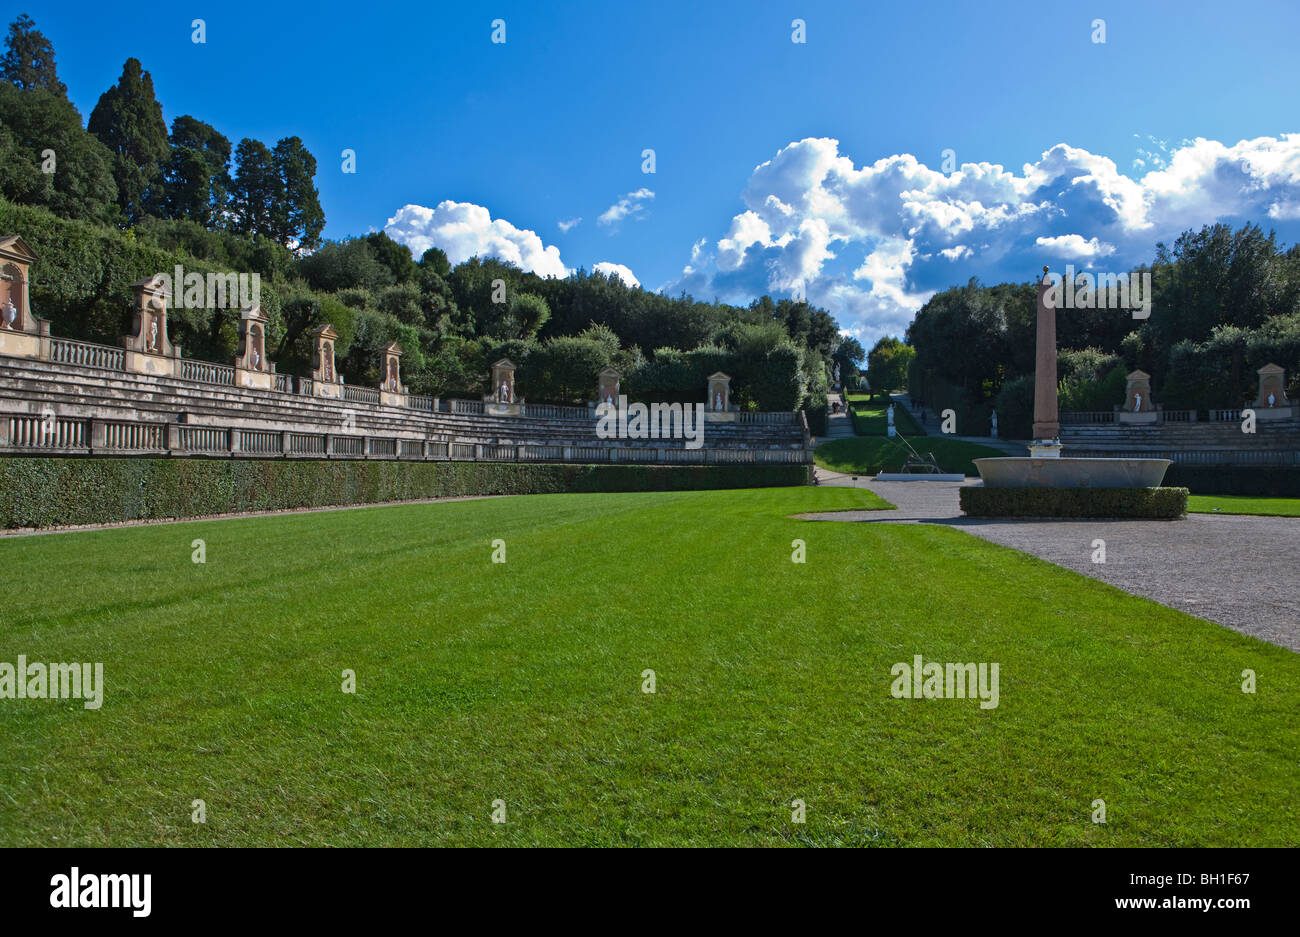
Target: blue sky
[(768, 174)]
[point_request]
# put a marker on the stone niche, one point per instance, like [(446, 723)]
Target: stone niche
[(717, 402), (502, 400), (1138, 405), (391, 391), (251, 367), (607, 386), (1272, 403), (22, 335), (324, 373), (148, 349)]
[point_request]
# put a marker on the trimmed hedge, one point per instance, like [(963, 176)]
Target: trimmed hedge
[(46, 492), (1166, 503), (1261, 480)]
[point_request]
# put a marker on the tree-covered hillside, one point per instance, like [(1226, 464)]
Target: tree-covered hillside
[(125, 198), (1226, 302)]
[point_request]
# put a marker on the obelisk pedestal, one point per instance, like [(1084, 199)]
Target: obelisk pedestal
[(1047, 423)]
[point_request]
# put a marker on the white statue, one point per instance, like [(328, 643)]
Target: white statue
[(153, 335), (257, 361), (1137, 403), (503, 393), (609, 398), (889, 417), (717, 400), (1271, 398), (10, 314), (994, 434)]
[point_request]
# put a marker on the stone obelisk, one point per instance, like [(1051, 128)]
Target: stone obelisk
[(1047, 424)]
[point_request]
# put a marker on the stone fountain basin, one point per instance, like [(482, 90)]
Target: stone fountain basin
[(1023, 472)]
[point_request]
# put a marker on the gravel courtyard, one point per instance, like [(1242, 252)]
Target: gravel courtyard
[(1237, 570)]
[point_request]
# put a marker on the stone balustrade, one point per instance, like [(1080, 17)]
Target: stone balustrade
[(34, 434)]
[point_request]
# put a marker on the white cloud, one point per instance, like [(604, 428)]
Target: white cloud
[(464, 230), (872, 243), (630, 205), (617, 270), (568, 224), (1074, 247)]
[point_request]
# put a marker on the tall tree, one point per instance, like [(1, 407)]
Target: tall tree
[(887, 365), (28, 60), (255, 190), (128, 120), (47, 158), (198, 173), (297, 219)]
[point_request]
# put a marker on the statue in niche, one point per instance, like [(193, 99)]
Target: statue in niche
[(392, 375), (1137, 403), (717, 399), (1272, 400), (10, 314), (327, 360), (151, 343), (503, 393)]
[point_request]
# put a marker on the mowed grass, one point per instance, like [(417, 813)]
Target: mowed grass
[(523, 681), (870, 416), (870, 455), (1243, 504)]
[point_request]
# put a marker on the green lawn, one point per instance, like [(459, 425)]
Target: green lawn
[(870, 419), (522, 682), (868, 455), (1243, 504)]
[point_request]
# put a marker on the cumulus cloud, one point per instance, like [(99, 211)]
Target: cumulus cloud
[(616, 270), (629, 206), (873, 242), (464, 230), (568, 224), (1074, 247)]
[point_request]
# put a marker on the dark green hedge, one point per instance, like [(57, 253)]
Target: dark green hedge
[(978, 501), (45, 492), (1259, 480), (817, 416)]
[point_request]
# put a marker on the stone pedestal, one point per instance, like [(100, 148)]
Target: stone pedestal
[(607, 386), (1272, 403), (251, 367), (1044, 449), (324, 374), (20, 331), (717, 398), (1138, 406), (392, 393), (501, 386), (148, 349)]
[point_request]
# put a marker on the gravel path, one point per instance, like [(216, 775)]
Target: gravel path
[(1237, 570)]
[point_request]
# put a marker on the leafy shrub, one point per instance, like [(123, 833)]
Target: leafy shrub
[(1164, 503)]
